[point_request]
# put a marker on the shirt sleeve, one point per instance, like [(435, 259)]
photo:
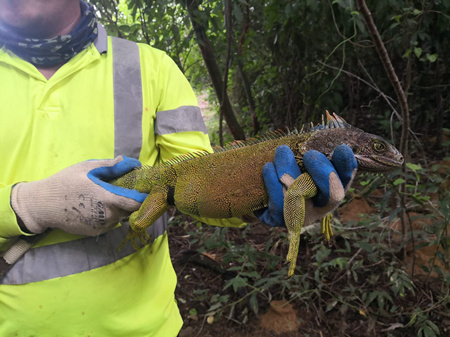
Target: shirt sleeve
[(179, 125)]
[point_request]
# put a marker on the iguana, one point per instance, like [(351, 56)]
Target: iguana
[(229, 182)]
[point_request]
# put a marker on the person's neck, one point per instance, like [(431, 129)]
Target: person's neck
[(48, 72), (71, 24)]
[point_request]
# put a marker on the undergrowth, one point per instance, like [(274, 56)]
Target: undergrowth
[(366, 281)]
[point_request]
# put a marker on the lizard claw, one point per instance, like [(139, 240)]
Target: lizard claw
[(143, 238), (326, 226)]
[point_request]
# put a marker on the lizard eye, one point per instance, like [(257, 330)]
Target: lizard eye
[(378, 146), (355, 149)]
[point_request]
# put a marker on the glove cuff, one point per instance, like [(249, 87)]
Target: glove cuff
[(21, 207)]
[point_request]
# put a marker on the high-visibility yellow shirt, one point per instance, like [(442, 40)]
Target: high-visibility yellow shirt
[(48, 125)]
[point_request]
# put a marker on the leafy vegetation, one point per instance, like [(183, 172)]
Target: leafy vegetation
[(369, 280), (279, 64)]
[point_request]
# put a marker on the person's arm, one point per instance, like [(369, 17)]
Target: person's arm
[(76, 200)]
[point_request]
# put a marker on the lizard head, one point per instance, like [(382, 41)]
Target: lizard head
[(372, 152)]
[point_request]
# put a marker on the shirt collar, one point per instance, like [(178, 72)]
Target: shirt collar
[(101, 42)]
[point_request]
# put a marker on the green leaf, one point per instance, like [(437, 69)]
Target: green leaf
[(237, 11), (365, 183), (434, 327), (420, 199), (331, 305), (406, 54), (399, 181), (418, 51), (432, 58), (366, 246), (224, 298), (215, 307), (426, 332), (413, 167), (236, 282), (253, 303), (371, 297)]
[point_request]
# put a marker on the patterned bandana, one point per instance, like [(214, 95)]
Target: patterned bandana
[(57, 50)]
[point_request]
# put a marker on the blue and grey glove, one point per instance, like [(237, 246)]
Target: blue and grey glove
[(332, 179), (77, 199)]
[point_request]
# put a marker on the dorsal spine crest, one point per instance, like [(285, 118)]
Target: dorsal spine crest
[(333, 121)]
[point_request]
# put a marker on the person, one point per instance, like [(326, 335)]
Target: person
[(71, 99)]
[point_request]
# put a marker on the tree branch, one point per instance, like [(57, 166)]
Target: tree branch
[(213, 70)]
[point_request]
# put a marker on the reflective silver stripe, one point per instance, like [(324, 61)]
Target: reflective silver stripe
[(184, 118), (127, 98), (58, 260)]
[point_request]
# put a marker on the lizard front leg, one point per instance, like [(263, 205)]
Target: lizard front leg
[(153, 207), (294, 214)]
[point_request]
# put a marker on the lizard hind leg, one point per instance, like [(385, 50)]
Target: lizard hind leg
[(153, 207), (294, 214)]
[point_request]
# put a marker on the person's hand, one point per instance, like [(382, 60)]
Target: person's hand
[(332, 179), (284, 167), (77, 199)]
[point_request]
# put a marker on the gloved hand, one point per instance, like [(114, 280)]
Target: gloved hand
[(77, 199), (332, 179)]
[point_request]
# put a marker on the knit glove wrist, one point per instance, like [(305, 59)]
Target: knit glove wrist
[(284, 166), (77, 199)]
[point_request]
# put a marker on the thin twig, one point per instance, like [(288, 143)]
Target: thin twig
[(401, 96), (342, 35)]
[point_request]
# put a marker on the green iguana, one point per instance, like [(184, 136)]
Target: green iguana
[(229, 182)]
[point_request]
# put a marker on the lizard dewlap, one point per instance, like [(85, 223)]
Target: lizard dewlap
[(229, 182)]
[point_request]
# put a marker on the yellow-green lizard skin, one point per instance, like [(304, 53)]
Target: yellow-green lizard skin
[(229, 182)]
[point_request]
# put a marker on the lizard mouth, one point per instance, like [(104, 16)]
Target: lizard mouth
[(378, 163)]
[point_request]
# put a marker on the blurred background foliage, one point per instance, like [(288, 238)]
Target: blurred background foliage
[(301, 57)]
